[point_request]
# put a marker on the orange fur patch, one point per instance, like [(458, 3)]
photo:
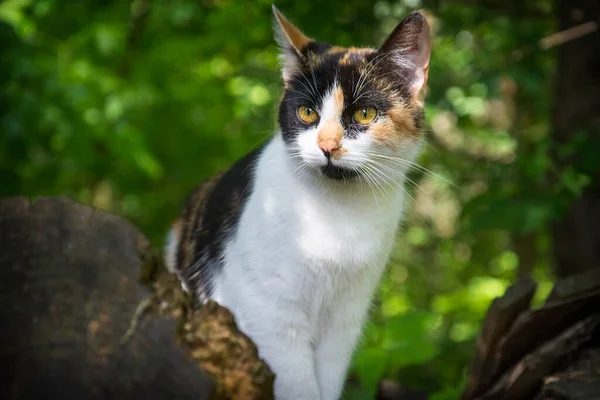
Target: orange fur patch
[(338, 96), (403, 120), (336, 49), (337, 154), (297, 39), (354, 53), (397, 124)]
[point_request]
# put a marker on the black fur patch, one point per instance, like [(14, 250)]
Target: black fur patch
[(315, 48), (419, 116), (338, 173), (217, 222)]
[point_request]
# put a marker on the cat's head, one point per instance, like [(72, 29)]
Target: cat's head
[(353, 112)]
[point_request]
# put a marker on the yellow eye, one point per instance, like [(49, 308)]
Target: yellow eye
[(307, 114), (364, 115)]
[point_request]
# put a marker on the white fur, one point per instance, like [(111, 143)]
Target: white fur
[(309, 251), (171, 250)]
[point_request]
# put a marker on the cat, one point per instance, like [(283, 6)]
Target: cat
[(294, 237)]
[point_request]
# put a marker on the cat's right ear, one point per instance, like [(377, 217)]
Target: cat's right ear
[(292, 41), (409, 46)]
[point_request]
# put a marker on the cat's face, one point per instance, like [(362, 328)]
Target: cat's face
[(353, 113)]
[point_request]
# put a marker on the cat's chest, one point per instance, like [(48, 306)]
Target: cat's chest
[(349, 237), (290, 225)]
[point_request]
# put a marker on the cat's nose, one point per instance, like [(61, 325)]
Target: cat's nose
[(329, 138), (329, 146)]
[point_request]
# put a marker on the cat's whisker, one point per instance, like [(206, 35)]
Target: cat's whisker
[(309, 97), (301, 96), (377, 182), (369, 68), (314, 90), (361, 95), (383, 177), (414, 165), (421, 139), (413, 201), (370, 181), (311, 91), (400, 175), (425, 173), (399, 76), (365, 73), (381, 180), (301, 168), (390, 169)]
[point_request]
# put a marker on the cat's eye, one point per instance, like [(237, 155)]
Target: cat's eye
[(364, 115), (307, 114)]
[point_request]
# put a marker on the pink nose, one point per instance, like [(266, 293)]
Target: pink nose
[(329, 138), (329, 146)]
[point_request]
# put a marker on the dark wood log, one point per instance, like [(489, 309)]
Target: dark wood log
[(498, 320), (579, 388), (575, 286), (541, 351), (545, 322), (88, 312), (579, 381), (524, 379)]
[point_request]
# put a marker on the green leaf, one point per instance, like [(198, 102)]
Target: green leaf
[(370, 364), (409, 339)]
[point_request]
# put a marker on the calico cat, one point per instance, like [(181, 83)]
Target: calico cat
[(294, 237)]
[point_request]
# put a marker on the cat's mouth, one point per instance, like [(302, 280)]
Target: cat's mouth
[(338, 173)]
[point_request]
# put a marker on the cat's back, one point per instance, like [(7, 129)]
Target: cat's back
[(210, 215)]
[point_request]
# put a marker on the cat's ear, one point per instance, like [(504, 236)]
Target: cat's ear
[(292, 41), (409, 46)]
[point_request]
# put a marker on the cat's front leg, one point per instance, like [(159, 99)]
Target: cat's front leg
[(342, 327), (280, 332), (333, 357), (291, 358)]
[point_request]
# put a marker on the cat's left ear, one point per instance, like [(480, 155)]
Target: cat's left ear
[(292, 41), (409, 46)]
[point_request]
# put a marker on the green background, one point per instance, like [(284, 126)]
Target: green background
[(128, 105)]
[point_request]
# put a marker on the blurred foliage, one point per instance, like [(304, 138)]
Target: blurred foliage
[(128, 105)]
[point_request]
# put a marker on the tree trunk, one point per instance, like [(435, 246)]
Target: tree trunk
[(576, 236)]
